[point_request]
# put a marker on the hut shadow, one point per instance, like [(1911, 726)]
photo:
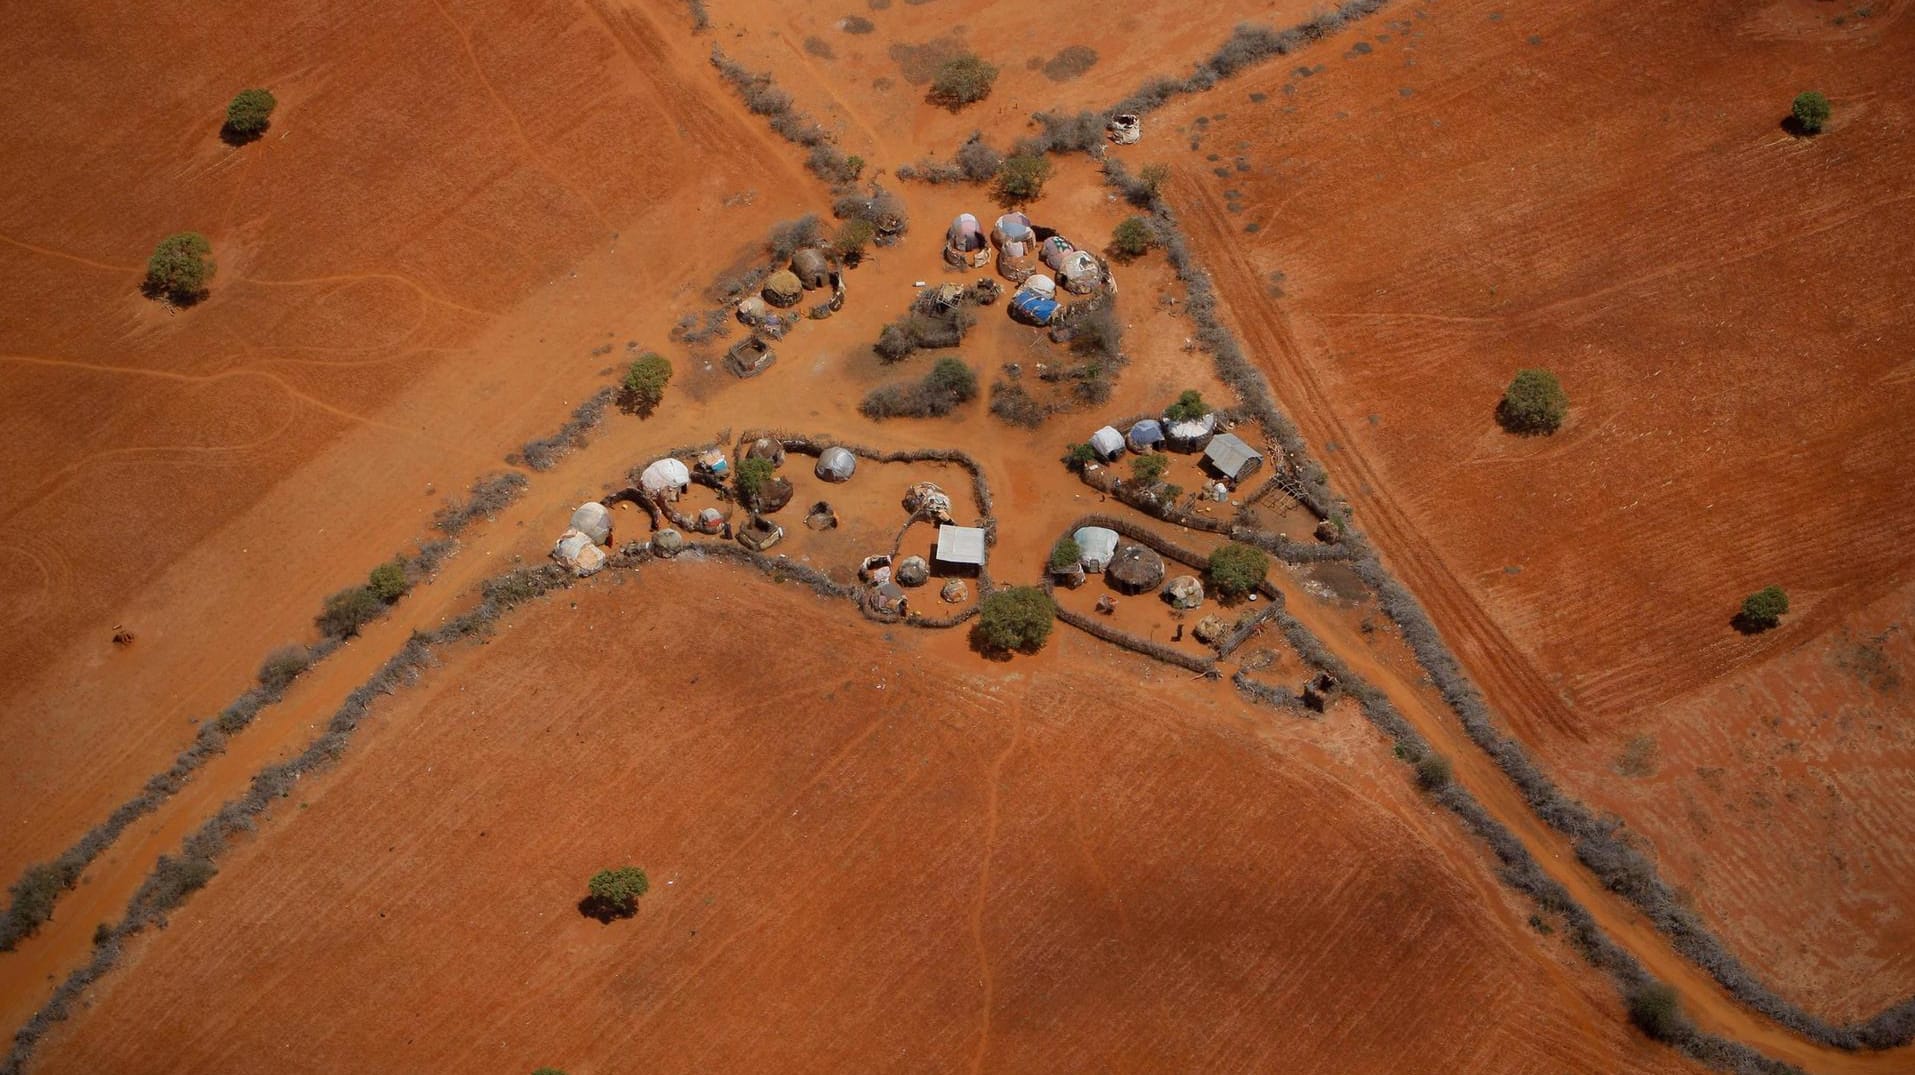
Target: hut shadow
[(605, 911)]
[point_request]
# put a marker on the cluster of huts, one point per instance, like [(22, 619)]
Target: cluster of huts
[(1134, 568), (1021, 250), (810, 269), (959, 554), (1225, 457)]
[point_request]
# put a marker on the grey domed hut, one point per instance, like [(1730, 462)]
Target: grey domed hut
[(783, 288), (594, 521), (835, 464), (1135, 569), (1184, 592), (766, 448), (812, 267)]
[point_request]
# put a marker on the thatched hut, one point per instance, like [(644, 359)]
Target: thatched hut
[(1184, 592), (665, 479), (773, 495), (752, 310), (1212, 629), (836, 464), (928, 499), (1135, 569), (593, 520), (783, 288), (812, 267), (767, 448)]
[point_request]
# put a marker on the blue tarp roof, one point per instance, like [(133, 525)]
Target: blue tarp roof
[(1148, 431), (1035, 307)]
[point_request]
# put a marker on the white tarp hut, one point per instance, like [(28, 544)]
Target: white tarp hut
[(594, 521), (960, 546), (666, 478), (1191, 434), (1041, 284), (1097, 545), (577, 552), (1081, 272), (1107, 443), (836, 464), (1231, 458)]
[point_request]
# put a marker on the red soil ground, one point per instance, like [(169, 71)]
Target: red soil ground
[(1409, 213), (873, 861)]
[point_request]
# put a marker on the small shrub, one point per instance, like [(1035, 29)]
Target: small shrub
[(951, 375), (248, 115), (1533, 404), (644, 384), (1656, 1010), (1066, 554), (1762, 609), (1433, 772), (349, 610), (1079, 456), (282, 666), (1150, 182), (1132, 238), (1810, 112), (547, 1071), (1021, 178), (856, 24), (1010, 403), (961, 80), (1019, 618), (33, 897), (949, 384), (853, 237), (790, 236), (1190, 406), (180, 267), (1148, 469), (978, 161), (896, 341), (1095, 329), (1237, 569), (614, 893), (388, 581), (751, 478), (820, 48), (1070, 63)]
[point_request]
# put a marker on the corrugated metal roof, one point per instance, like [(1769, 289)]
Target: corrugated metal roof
[(961, 545)]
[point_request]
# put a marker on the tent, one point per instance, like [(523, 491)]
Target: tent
[(1033, 308), (961, 546), (1097, 544), (1107, 443), (835, 464), (1054, 250), (812, 267), (666, 478), (1231, 458), (1081, 272), (594, 521), (1145, 435)]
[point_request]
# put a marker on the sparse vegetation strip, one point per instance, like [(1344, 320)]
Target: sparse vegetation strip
[(543, 454)]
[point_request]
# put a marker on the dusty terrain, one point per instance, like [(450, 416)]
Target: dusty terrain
[(1014, 881), (862, 858), (1408, 214)]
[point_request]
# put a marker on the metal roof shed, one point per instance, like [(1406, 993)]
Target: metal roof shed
[(961, 546), (1231, 457)]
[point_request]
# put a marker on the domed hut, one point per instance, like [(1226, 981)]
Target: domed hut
[(576, 552), (836, 464), (710, 521), (1033, 308), (1042, 285), (888, 597), (752, 310), (1145, 436), (1016, 247), (668, 543), (964, 244), (1096, 546), (767, 448), (1191, 434), (913, 571), (783, 289), (1135, 569), (1184, 592), (812, 267), (665, 479), (1107, 443), (773, 495), (1081, 273), (1053, 250), (594, 521)]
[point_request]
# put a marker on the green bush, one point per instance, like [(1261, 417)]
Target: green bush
[(1190, 405), (348, 610), (180, 267), (1066, 554), (961, 80), (1763, 609), (1534, 403), (949, 384), (1656, 1010), (952, 376), (1149, 468), (1151, 179), (1237, 569), (1079, 456), (1021, 178), (750, 480), (547, 1071), (645, 379), (249, 114), (1132, 238), (1432, 772), (615, 893), (853, 236), (1018, 618), (388, 581), (1810, 111)]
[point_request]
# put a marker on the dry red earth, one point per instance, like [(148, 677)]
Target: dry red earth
[(863, 857), (1405, 215)]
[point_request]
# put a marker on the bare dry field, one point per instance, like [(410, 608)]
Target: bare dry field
[(862, 858), (1403, 216)]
